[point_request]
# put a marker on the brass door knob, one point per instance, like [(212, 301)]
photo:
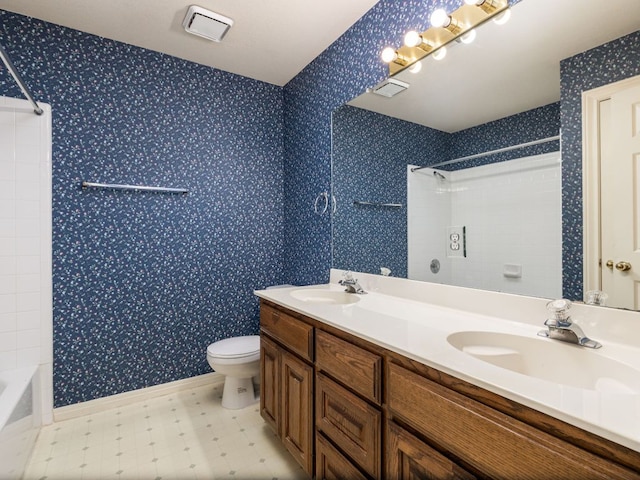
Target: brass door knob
[(609, 264), (623, 266)]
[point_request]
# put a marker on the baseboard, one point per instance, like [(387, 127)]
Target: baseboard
[(126, 398)]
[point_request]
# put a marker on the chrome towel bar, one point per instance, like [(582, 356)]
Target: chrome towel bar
[(377, 204), (140, 188)]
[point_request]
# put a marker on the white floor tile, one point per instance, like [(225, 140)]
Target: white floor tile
[(181, 436)]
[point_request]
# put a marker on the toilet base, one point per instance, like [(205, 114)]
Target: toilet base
[(238, 393)]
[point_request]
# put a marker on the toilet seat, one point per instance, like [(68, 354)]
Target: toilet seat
[(246, 347)]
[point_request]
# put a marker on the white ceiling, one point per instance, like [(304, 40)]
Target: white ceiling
[(508, 69), (271, 40)]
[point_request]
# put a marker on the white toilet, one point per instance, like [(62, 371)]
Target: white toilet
[(238, 359)]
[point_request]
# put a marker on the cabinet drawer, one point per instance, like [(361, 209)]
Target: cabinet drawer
[(331, 464), (491, 442), (295, 334), (408, 457), (350, 422), (351, 365)]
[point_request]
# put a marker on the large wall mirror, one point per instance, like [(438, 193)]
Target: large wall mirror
[(462, 178)]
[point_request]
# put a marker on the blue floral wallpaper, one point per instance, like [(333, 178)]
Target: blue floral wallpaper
[(536, 124), (608, 63), (370, 157), (143, 282)]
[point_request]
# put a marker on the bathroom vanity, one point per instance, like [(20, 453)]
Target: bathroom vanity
[(373, 386)]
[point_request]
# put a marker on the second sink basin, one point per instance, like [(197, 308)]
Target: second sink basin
[(549, 360), (319, 295)]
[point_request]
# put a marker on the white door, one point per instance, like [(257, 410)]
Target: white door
[(620, 197)]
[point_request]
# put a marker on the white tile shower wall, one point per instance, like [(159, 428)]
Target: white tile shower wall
[(26, 331), (512, 214), (428, 213)]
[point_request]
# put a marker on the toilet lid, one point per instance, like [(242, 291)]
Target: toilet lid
[(235, 347)]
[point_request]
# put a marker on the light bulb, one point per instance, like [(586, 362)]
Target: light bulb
[(389, 55), (412, 39), (503, 17), (468, 37), (440, 53), (416, 67), (473, 2), (440, 18)]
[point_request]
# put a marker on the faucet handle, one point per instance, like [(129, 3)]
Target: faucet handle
[(559, 309), (347, 276), (595, 297)]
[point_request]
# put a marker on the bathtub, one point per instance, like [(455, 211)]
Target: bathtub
[(19, 420)]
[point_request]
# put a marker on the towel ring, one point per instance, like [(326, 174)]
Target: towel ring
[(324, 195)]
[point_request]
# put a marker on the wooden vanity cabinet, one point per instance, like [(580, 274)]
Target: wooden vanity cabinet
[(286, 392), (323, 393), (485, 440)]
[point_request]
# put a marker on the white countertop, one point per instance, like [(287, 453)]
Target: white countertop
[(419, 330)]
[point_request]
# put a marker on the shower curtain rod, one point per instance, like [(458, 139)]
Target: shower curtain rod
[(16, 76), (492, 152)]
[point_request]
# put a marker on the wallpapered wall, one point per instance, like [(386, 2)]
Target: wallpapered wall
[(370, 157), (608, 63), (370, 154), (535, 124), (144, 282)]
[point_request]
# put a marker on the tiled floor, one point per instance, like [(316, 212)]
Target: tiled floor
[(187, 435)]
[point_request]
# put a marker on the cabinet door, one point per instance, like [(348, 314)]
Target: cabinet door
[(297, 409), (408, 457), (332, 465), (270, 383)]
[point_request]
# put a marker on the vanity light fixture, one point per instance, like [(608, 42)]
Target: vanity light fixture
[(416, 67), (468, 37), (503, 17), (440, 53), (390, 55), (441, 19), (414, 39), (459, 25), (487, 5)]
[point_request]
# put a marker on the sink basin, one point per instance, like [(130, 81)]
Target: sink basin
[(549, 360), (319, 295)]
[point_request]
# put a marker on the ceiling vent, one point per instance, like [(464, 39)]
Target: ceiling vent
[(206, 24), (390, 87)]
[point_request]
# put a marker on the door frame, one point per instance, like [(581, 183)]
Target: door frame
[(591, 177)]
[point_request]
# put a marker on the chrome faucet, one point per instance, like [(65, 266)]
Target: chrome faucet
[(560, 327), (351, 284)]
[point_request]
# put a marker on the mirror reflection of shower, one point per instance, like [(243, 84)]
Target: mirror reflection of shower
[(511, 215), (438, 175)]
